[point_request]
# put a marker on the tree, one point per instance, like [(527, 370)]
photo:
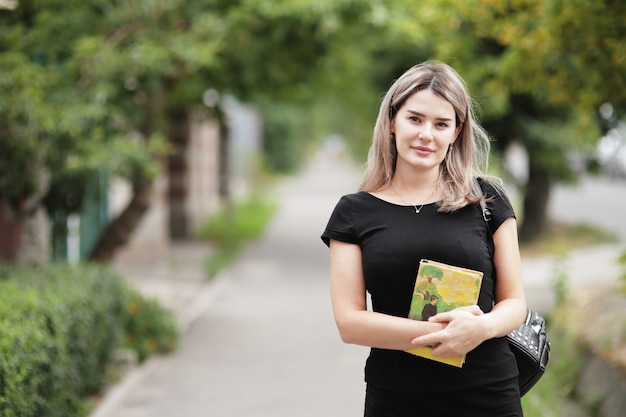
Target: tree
[(79, 133), (431, 272), (558, 61), (128, 74), (530, 64)]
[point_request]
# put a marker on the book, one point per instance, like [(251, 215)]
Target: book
[(441, 287)]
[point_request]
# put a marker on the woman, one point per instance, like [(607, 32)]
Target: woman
[(417, 201)]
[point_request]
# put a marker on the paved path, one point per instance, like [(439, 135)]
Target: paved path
[(260, 340), (266, 344)]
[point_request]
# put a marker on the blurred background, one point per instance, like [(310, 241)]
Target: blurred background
[(117, 114), (128, 127)]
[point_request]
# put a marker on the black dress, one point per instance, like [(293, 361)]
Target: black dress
[(393, 239)]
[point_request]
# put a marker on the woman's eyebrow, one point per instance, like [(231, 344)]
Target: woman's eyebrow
[(416, 113)]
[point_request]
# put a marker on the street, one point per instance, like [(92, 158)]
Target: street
[(597, 201)]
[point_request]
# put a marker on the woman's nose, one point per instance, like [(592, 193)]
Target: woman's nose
[(427, 131)]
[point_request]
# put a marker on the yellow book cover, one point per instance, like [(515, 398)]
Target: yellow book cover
[(440, 287)]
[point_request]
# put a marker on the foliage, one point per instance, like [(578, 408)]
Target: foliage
[(551, 394), (59, 327), (596, 321), (282, 136), (230, 228), (431, 271), (586, 330), (246, 220), (577, 48), (123, 65), (360, 66), (548, 398), (622, 263), (525, 92), (100, 85), (107, 86), (21, 146), (149, 328)]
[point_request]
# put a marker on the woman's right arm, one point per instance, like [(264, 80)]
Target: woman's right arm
[(356, 324)]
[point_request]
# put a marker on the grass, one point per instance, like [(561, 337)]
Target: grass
[(232, 227), (562, 237), (557, 393), (549, 398)]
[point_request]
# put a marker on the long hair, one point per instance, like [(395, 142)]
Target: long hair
[(463, 160)]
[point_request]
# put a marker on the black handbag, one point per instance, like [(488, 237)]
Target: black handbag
[(531, 347), (529, 342)]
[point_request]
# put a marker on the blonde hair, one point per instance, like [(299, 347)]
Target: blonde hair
[(463, 160)]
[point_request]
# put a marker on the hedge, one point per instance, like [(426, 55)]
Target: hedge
[(59, 328)]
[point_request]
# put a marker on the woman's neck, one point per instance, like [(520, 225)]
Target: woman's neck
[(415, 189), (415, 181)]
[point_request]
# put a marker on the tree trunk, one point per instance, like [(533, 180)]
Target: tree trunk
[(178, 135), (118, 232), (224, 190), (535, 202), (10, 234)]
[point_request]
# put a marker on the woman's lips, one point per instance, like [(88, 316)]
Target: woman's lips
[(422, 150)]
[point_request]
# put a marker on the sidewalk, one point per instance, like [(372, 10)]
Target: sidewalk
[(178, 281), (260, 339)]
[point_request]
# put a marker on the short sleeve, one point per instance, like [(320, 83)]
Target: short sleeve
[(341, 225), (498, 204)]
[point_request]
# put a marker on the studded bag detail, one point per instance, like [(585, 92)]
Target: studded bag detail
[(531, 347)]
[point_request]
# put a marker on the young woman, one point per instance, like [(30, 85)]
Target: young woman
[(417, 201)]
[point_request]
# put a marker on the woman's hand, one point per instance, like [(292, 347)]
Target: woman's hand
[(475, 310), (463, 331)]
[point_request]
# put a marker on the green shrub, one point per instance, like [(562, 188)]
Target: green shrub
[(148, 327), (29, 358), (60, 325), (59, 328)]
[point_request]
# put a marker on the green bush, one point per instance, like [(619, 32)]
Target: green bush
[(59, 328), (60, 325), (148, 327), (29, 358)]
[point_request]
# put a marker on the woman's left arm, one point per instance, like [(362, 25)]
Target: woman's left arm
[(510, 308), (465, 331)]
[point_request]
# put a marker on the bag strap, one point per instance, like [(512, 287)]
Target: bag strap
[(486, 216), (483, 205)]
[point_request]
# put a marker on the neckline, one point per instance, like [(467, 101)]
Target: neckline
[(397, 204)]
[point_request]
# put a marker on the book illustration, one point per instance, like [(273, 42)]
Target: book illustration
[(441, 287)]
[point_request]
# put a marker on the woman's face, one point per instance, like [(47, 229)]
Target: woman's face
[(425, 127)]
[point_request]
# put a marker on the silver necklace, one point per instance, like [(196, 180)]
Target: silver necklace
[(417, 209)]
